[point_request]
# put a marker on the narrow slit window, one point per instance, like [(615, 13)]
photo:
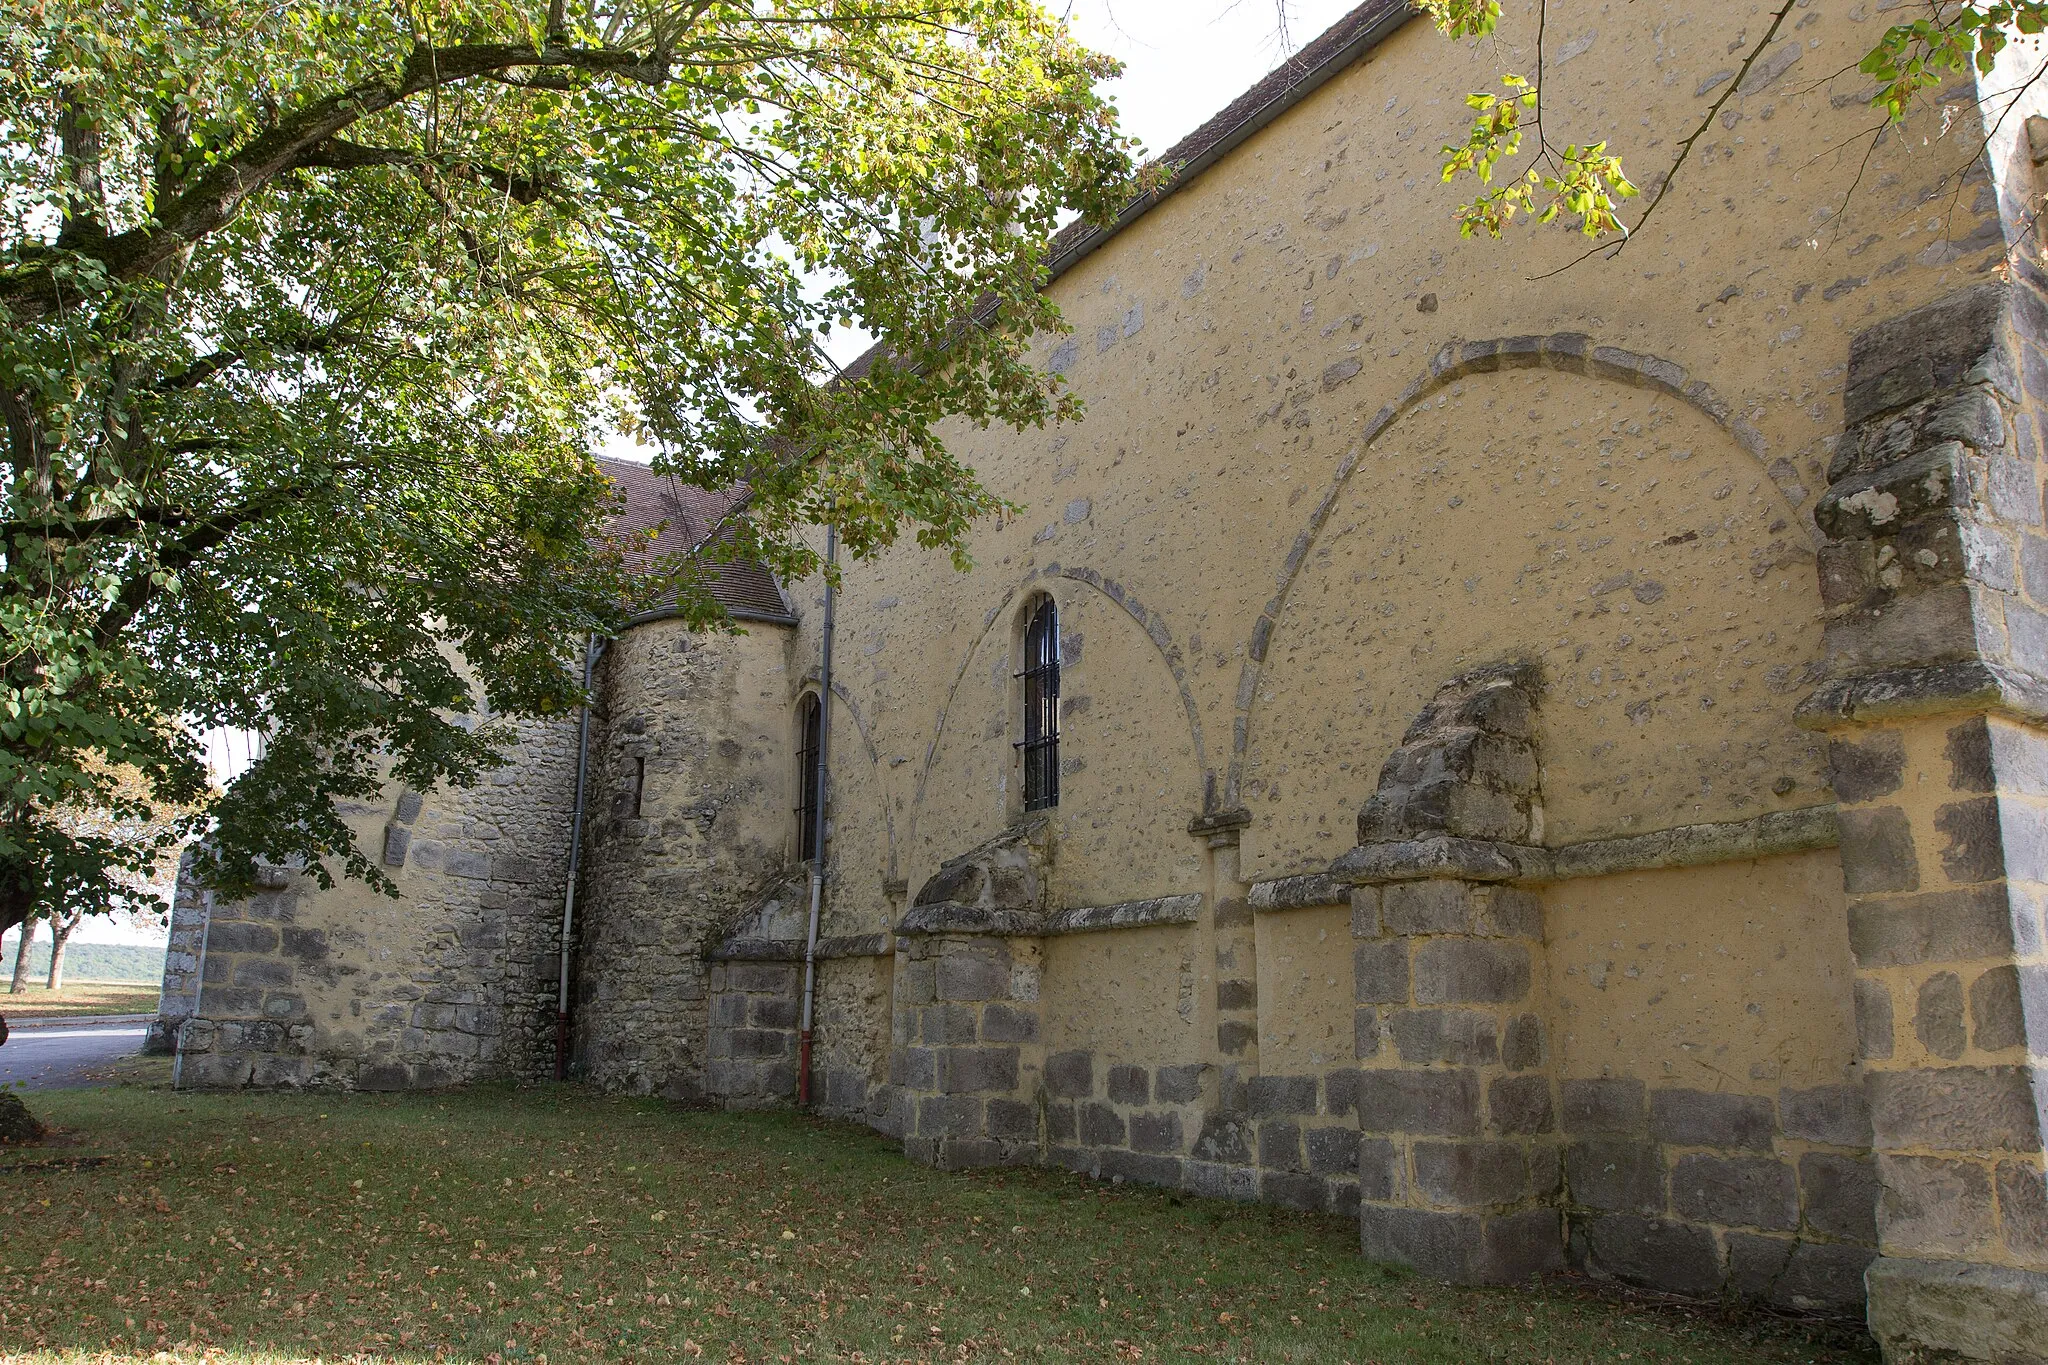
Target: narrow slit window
[(639, 784), (808, 724), (1040, 747)]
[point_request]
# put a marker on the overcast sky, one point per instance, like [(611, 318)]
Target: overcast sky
[(1186, 59)]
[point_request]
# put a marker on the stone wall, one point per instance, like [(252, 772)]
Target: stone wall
[(690, 826), (453, 980)]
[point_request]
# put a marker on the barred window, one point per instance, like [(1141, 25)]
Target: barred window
[(1040, 747), (809, 718)]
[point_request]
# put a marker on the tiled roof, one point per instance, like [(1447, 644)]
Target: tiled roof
[(684, 514), (1285, 86)]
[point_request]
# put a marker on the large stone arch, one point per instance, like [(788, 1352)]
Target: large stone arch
[(1458, 531), (979, 684)]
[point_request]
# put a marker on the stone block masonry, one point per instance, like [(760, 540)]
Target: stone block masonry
[(1938, 648)]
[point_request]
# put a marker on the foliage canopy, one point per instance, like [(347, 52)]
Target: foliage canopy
[(313, 307)]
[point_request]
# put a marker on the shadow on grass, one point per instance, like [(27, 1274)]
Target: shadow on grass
[(496, 1225)]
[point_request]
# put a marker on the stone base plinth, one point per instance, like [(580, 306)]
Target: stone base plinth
[(1949, 1312)]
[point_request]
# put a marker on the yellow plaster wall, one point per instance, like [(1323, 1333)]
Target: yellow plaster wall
[(1233, 345), (1129, 994), (1306, 1007), (1735, 977)]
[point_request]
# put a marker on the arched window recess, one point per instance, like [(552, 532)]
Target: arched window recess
[(1039, 750)]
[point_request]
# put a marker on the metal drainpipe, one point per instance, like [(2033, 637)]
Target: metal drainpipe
[(198, 988), (803, 1059), (590, 653)]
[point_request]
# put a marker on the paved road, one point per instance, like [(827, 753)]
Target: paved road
[(56, 1058)]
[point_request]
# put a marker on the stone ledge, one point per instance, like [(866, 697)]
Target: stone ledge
[(1763, 836), (1476, 860), (1896, 693), (1928, 1311), (792, 950), (951, 917), (1299, 893), (1780, 832), (1126, 915)]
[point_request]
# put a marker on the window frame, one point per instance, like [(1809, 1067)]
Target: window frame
[(810, 715), (1038, 752)]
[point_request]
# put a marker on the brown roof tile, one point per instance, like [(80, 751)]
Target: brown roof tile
[(682, 514)]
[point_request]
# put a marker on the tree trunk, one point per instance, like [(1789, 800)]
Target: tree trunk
[(20, 982), (60, 934)]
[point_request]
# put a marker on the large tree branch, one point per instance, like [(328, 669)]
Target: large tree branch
[(214, 197), (339, 154)]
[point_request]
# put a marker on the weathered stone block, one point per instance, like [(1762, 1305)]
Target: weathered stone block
[(1237, 995), (1332, 1151), (1365, 1034), (1809, 1276), (1956, 1108), (1935, 1206), (1431, 907), (1234, 1037), (1968, 746), (1866, 770), (1155, 1132), (1178, 1084), (1070, 1075), (1705, 1118), (766, 1011), (1464, 1248), (1972, 850), (1470, 1174), (1474, 971), (1521, 1048), (1461, 1037), (1380, 972), (963, 976), (1139, 1168), (1441, 1103), (954, 1024), (1269, 1095), (2023, 1208), (949, 1116), (1617, 1175), (262, 971), (1212, 1181), (1834, 1114), (1932, 1312), (1938, 1015), (1225, 1138), (1340, 1091), (916, 1068), (1520, 1105), (2001, 1002), (1280, 1146), (966, 1069), (241, 937), (1101, 1126), (1651, 1251), (1129, 1084), (1008, 1024), (1011, 1120), (762, 1043), (762, 978), (1755, 1192), (1935, 926), (1841, 1195), (307, 945), (1294, 1190), (1877, 851), (1604, 1104)]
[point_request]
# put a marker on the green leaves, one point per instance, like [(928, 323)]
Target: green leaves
[(1922, 55), (315, 310), (1584, 182)]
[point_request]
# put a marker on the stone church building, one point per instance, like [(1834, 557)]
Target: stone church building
[(1548, 763)]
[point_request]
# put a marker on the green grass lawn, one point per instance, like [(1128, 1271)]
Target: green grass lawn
[(79, 997), (499, 1225)]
